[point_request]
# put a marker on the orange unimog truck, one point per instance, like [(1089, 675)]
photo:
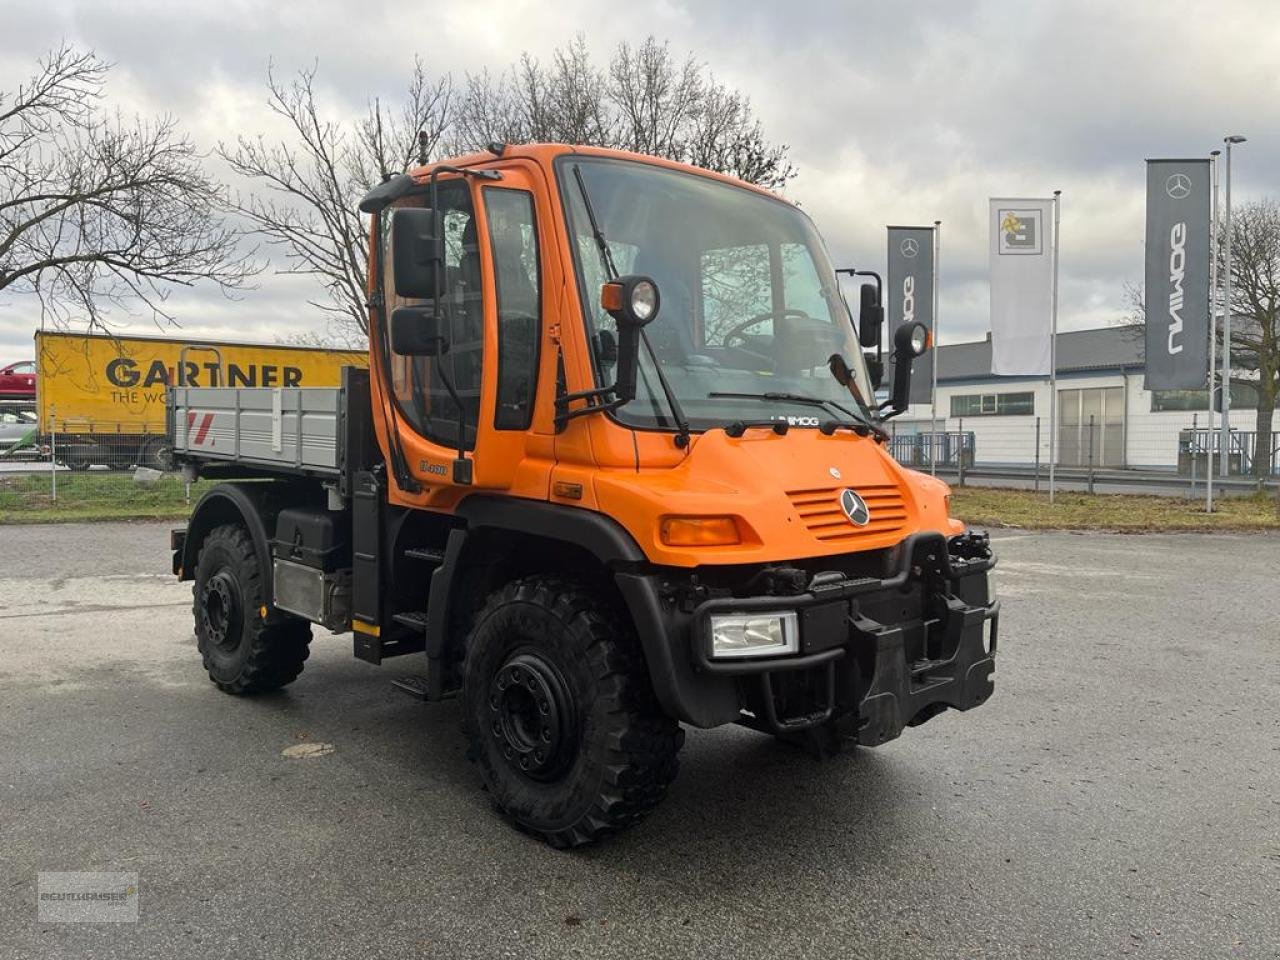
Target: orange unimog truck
[(616, 466)]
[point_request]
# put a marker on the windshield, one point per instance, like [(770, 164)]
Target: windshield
[(750, 304)]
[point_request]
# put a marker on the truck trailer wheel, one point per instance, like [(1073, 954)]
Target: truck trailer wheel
[(242, 652), (561, 717)]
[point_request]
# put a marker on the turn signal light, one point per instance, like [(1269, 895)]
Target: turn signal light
[(699, 531), (611, 296)]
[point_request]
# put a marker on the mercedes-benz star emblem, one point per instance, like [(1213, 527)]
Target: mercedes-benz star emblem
[(910, 247), (855, 508), (1178, 186)]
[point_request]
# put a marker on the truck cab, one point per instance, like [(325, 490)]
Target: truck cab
[(617, 465)]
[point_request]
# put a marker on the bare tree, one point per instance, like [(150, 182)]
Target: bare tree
[(312, 182), (97, 212), (658, 101), (309, 183), (1255, 310), (644, 99)]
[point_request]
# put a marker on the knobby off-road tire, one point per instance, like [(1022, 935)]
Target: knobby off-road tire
[(242, 652), (560, 714)]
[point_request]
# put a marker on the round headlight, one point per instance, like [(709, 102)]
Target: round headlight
[(644, 300), (919, 339)]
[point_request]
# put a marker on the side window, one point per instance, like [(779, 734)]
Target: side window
[(802, 290), (421, 395), (513, 242)]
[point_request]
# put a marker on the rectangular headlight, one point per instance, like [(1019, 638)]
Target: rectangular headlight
[(754, 634)]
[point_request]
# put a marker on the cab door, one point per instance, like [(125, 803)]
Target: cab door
[(492, 299), (517, 222)]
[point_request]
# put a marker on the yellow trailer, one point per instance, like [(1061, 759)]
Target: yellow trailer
[(102, 398)]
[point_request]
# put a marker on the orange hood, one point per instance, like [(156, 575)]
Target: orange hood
[(782, 491)]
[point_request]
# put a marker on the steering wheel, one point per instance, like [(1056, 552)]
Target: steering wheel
[(738, 331)]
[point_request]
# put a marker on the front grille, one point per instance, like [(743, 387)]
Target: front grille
[(820, 511)]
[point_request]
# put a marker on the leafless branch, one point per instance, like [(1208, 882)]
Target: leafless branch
[(100, 213), (305, 187)]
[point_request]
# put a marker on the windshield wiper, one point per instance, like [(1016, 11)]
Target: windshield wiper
[(857, 421), (677, 413)]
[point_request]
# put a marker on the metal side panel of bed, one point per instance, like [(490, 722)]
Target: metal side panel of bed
[(274, 427)]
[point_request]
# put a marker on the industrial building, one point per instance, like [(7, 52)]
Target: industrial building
[(1105, 410)]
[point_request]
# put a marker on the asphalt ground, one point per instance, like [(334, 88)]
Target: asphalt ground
[(1119, 795)]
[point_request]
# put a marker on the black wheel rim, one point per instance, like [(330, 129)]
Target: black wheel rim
[(220, 610), (532, 717)]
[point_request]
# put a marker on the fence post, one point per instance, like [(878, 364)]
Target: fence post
[(960, 454), (1037, 454), (1193, 449), (53, 453), (1091, 453)]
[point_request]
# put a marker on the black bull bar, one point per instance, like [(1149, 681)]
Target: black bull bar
[(890, 652)]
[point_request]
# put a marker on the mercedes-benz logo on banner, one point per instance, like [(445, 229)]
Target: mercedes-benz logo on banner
[(1178, 186), (910, 247), (855, 508)]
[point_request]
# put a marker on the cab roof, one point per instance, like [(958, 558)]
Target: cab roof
[(544, 154)]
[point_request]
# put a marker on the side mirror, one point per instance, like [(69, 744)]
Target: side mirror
[(875, 370), (633, 302), (870, 316), (417, 332), (911, 341), (415, 252), (606, 348)]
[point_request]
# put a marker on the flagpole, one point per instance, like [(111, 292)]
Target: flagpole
[(1053, 355), (933, 395), (1213, 324)]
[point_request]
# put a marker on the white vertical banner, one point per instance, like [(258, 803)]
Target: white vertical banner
[(1022, 259)]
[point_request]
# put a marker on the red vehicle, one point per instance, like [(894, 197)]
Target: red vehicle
[(18, 380)]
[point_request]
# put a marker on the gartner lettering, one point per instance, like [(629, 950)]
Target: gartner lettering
[(127, 372)]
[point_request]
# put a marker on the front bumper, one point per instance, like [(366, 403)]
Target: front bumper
[(876, 654)]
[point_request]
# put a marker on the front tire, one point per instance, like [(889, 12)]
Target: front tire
[(560, 714), (243, 651)]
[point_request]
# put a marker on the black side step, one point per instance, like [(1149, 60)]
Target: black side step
[(413, 619), (428, 554), (419, 687)]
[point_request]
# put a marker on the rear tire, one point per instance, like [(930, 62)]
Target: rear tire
[(243, 652), (560, 714)]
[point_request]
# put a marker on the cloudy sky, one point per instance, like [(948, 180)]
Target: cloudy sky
[(895, 112)]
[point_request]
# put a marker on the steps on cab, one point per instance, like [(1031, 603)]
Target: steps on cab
[(407, 633)]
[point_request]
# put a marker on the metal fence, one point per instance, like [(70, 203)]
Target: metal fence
[(1165, 456), (102, 471), (108, 471)]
